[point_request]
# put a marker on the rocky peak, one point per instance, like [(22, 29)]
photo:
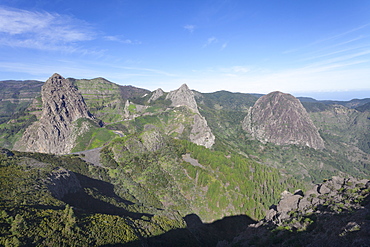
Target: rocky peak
[(183, 97), (62, 100), (55, 132), (200, 133), (156, 94), (281, 119)]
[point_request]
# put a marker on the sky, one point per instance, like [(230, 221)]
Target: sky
[(311, 48)]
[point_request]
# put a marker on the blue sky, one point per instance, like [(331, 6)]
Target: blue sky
[(308, 48)]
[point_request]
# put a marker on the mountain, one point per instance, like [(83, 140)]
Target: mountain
[(281, 119), (364, 107), (106, 99), (200, 133), (16, 95), (126, 166), (55, 131), (183, 97)]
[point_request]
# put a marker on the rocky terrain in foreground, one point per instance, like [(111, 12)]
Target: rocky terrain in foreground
[(333, 213)]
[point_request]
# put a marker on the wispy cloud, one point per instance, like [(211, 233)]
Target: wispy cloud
[(119, 39), (340, 35), (224, 45), (190, 28), (210, 40), (333, 37), (42, 30), (320, 55), (337, 59), (236, 69), (72, 68)]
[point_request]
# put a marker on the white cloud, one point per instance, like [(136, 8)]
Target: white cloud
[(210, 40), (41, 30), (122, 40), (190, 28), (224, 45)]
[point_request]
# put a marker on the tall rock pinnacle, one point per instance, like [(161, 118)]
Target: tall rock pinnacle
[(281, 119), (201, 133), (54, 133), (183, 97)]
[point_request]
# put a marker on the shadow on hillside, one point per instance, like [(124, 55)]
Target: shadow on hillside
[(327, 230), (197, 233), (98, 196)]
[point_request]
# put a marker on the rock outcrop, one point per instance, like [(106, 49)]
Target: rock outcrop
[(156, 95), (281, 119), (55, 131), (183, 97), (333, 213), (200, 133), (333, 195), (132, 111)]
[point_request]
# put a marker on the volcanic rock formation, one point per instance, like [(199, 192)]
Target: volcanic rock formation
[(156, 94), (55, 132), (183, 97), (201, 133), (281, 119)]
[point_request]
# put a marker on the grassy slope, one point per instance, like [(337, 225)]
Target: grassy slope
[(16, 97), (222, 184), (106, 100), (225, 117)]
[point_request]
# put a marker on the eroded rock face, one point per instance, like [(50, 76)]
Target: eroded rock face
[(55, 132), (183, 97), (281, 119), (201, 133), (156, 94)]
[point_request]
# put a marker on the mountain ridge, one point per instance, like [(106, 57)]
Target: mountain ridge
[(164, 167)]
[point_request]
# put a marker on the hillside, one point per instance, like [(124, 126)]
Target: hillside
[(108, 164)]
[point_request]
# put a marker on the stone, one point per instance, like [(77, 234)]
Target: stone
[(156, 95), (183, 97), (200, 133), (281, 119), (55, 131), (324, 189)]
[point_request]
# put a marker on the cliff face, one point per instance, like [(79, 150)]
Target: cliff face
[(201, 133), (55, 131), (281, 119), (183, 97), (156, 95)]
